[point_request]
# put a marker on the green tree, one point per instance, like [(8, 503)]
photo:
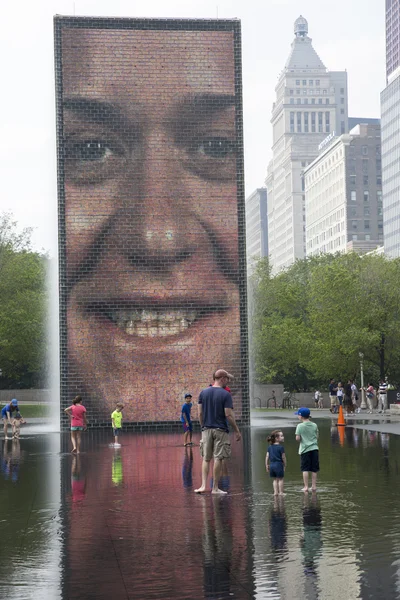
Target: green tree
[(23, 308), (312, 321)]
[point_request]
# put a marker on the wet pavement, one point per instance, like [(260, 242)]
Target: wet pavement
[(125, 524)]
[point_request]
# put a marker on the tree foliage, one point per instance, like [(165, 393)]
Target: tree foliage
[(23, 308), (311, 321)]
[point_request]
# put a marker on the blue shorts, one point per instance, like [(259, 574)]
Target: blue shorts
[(276, 470), (117, 431), (309, 461), (187, 427)]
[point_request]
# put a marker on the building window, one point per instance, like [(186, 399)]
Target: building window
[(379, 196), (367, 237), (378, 180), (342, 111), (291, 100), (366, 196), (305, 100), (306, 122), (380, 211), (313, 122), (352, 166), (354, 224), (304, 92), (367, 212), (380, 225), (342, 127), (354, 237), (319, 100), (353, 212), (352, 180), (297, 81), (299, 122), (341, 100), (317, 82), (365, 179), (327, 101), (311, 82), (292, 129), (342, 90), (290, 92), (304, 81), (378, 150), (312, 100), (364, 150), (298, 92), (324, 92), (353, 196), (320, 128), (298, 101), (317, 92), (366, 225), (378, 164), (365, 165)]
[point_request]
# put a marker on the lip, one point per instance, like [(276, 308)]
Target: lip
[(154, 323)]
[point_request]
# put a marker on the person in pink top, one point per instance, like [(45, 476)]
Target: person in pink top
[(77, 414)]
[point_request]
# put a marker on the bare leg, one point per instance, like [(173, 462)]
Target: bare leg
[(276, 489), (280, 487), (78, 441), (314, 482), (305, 481), (216, 475), (5, 428), (204, 475), (185, 438), (190, 435), (73, 440), (115, 439)]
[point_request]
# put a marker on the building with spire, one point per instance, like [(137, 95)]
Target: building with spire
[(311, 103)]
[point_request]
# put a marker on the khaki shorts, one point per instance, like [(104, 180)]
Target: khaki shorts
[(215, 443), (334, 400)]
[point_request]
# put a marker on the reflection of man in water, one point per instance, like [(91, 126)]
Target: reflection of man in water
[(187, 468), (150, 213)]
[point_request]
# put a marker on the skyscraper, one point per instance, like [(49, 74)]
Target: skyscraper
[(256, 228), (390, 121), (311, 102)]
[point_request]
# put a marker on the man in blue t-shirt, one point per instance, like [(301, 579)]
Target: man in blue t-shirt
[(215, 410), (186, 420)]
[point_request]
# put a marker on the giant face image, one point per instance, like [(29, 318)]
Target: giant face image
[(151, 216)]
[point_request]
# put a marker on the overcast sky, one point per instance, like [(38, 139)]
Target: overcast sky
[(346, 35)]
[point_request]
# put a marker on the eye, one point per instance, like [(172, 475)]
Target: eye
[(217, 147), (88, 150)]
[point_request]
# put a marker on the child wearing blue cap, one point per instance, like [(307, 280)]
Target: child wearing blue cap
[(307, 434), (6, 413), (187, 421)]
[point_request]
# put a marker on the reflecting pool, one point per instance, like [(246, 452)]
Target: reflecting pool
[(125, 523)]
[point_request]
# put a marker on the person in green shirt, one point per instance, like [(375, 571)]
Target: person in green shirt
[(307, 435), (116, 420)]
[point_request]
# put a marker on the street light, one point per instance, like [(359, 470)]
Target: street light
[(363, 403)]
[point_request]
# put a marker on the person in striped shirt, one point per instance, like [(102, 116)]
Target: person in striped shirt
[(382, 396)]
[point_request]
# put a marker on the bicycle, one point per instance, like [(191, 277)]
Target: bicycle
[(290, 401), (273, 398)]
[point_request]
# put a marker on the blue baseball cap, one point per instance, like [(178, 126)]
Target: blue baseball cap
[(188, 395), (14, 402), (303, 412)]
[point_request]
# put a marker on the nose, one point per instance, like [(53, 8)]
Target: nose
[(157, 224)]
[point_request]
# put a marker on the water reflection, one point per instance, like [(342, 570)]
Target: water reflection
[(311, 544), (10, 460)]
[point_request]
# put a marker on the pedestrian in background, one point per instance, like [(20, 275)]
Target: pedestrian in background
[(332, 395), (382, 398)]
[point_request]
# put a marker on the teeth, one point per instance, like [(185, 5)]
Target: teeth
[(147, 323)]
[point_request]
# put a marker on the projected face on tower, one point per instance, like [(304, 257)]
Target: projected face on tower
[(151, 219)]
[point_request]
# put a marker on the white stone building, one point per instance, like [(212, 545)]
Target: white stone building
[(343, 193), (311, 102)]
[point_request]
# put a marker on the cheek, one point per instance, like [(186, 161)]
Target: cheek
[(87, 211)]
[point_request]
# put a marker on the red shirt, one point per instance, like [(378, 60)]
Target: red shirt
[(77, 410)]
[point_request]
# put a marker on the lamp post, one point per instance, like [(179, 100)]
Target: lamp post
[(363, 403)]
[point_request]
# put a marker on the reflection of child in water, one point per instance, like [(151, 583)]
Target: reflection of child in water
[(16, 425)]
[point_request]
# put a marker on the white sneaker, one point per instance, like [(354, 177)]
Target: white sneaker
[(117, 445), (7, 438)]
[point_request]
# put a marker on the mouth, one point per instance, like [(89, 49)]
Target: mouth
[(153, 322)]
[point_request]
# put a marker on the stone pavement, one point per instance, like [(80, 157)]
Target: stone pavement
[(274, 418)]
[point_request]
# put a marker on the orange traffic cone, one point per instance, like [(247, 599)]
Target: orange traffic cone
[(341, 422)]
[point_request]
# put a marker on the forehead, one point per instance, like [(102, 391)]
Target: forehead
[(111, 61)]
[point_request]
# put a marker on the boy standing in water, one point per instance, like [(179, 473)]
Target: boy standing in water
[(116, 421), (186, 420), (307, 434)]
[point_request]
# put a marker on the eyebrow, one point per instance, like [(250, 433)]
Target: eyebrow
[(102, 112)]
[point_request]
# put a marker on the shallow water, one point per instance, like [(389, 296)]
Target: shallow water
[(125, 524)]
